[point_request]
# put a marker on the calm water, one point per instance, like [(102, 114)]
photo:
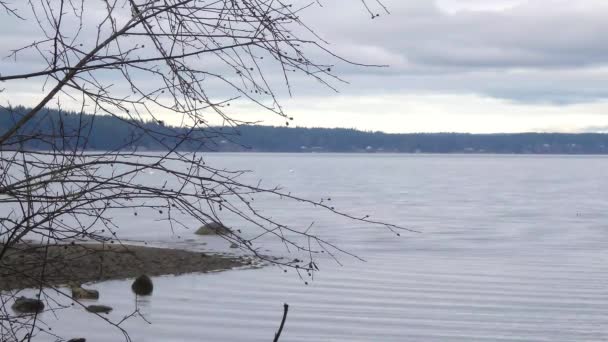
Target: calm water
[(512, 248)]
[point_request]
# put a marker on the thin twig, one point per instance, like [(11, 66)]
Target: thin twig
[(278, 333)]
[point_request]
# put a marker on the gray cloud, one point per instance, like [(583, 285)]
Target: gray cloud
[(542, 51), (528, 53), (525, 36)]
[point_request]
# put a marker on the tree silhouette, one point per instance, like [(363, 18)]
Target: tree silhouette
[(131, 60)]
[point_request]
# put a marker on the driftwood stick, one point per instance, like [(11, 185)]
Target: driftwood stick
[(278, 334)]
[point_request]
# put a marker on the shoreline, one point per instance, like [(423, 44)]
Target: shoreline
[(60, 265)]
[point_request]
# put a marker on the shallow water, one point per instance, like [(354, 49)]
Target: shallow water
[(512, 248)]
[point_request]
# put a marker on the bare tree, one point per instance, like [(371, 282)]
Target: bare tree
[(187, 59)]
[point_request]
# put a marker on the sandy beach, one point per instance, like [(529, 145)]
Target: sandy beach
[(23, 265)]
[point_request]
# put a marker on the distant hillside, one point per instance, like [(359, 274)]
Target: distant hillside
[(109, 133)]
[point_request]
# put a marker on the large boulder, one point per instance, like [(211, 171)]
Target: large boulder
[(27, 305), (82, 293), (213, 228), (99, 309), (142, 286)]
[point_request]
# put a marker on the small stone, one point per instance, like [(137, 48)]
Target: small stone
[(99, 309), (234, 245), (142, 286), (80, 339), (213, 228), (27, 305), (81, 293)]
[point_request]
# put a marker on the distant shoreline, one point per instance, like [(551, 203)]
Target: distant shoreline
[(22, 265), (127, 152), (408, 153), (109, 133)]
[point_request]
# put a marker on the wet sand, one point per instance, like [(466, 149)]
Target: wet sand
[(23, 265)]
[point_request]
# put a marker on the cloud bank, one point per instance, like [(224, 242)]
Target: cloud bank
[(541, 63)]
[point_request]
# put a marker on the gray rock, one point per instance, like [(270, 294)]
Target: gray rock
[(234, 245), (142, 286), (99, 309), (213, 228), (81, 293), (80, 339), (27, 305)]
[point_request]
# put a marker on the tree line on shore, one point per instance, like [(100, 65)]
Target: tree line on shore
[(103, 132)]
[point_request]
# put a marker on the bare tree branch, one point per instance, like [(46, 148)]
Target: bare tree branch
[(132, 60)]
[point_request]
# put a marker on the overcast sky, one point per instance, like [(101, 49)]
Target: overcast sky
[(455, 65)]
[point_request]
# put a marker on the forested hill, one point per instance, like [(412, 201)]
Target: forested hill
[(109, 133)]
